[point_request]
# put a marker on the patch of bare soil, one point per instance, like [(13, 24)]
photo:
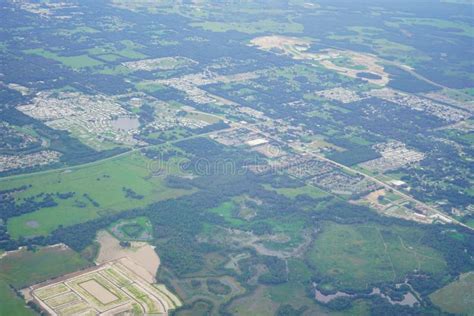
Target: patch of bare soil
[(282, 43), (297, 48), (143, 259)]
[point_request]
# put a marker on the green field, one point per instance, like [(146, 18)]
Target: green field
[(148, 86), (10, 303), (266, 301), (262, 26), (289, 226), (226, 210), (76, 62), (470, 223), (358, 255), (77, 30), (103, 183), (307, 190), (108, 57), (130, 50), (452, 26), (25, 268), (456, 297), (124, 48)]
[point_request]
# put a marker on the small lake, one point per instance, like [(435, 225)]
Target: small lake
[(408, 300), (126, 123), (368, 75)]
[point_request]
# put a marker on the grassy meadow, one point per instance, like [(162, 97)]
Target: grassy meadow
[(98, 190), (356, 255)]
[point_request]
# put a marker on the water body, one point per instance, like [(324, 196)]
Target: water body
[(320, 297), (368, 75), (408, 300), (126, 123)]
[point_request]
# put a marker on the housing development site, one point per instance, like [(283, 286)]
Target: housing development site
[(111, 288), (268, 158)]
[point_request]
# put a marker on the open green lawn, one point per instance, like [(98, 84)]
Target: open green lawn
[(266, 300), (453, 26), (103, 183), (76, 30), (456, 297), (25, 268), (357, 255), (125, 48), (262, 26), (11, 304), (226, 210), (76, 62), (149, 86), (290, 226), (470, 223), (130, 50), (307, 189), (203, 117), (108, 57)]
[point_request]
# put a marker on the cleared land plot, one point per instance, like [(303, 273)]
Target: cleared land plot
[(63, 299), (48, 292), (98, 291), (456, 297), (107, 289), (143, 259), (102, 183)]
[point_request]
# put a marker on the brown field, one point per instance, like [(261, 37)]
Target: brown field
[(143, 258), (107, 289), (98, 291), (123, 282)]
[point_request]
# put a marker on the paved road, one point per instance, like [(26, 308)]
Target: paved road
[(404, 67), (250, 126), (378, 181), (96, 162)]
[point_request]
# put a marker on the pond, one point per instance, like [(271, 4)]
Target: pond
[(408, 300)]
